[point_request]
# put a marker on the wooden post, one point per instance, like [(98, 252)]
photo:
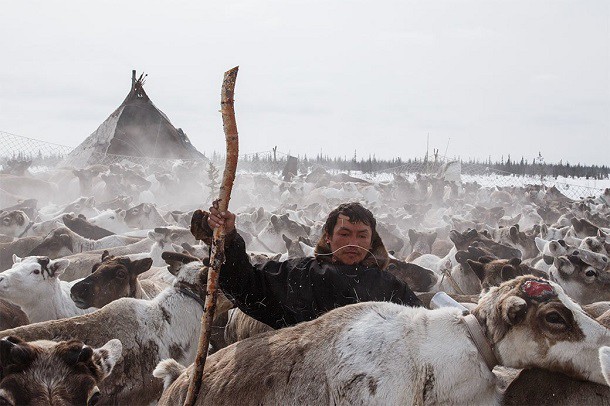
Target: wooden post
[(217, 257)]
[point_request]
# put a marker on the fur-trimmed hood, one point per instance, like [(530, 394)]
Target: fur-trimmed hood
[(378, 257)]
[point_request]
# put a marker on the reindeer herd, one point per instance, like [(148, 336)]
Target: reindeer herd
[(102, 287)]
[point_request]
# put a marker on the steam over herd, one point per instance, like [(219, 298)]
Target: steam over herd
[(101, 285)]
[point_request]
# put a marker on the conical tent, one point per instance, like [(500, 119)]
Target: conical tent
[(138, 129)]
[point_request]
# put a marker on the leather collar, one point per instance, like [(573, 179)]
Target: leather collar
[(480, 341), (188, 292)]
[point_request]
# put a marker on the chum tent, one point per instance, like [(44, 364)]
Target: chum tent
[(136, 129)]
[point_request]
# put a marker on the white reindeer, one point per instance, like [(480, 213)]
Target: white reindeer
[(33, 283)]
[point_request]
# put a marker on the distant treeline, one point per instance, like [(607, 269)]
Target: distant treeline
[(523, 167), (267, 161), (50, 159), (273, 161)]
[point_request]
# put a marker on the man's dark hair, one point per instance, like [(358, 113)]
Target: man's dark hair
[(354, 211)]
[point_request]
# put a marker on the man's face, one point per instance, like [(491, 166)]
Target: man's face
[(350, 241)]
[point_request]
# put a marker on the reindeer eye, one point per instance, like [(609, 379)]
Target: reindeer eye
[(135, 211), (111, 217), (590, 273), (35, 271), (554, 318), (121, 274), (77, 206)]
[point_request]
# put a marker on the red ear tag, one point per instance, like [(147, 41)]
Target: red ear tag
[(537, 289)]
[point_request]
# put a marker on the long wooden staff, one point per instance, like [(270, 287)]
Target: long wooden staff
[(217, 257)]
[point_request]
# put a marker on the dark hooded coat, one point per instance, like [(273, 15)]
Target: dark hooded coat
[(282, 294)]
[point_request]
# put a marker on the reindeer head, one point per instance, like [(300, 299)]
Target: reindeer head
[(30, 278), (111, 279), (46, 372), (532, 322)]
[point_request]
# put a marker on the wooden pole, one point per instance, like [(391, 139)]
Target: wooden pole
[(217, 257)]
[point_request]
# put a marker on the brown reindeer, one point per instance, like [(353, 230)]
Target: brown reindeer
[(114, 278), (50, 373)]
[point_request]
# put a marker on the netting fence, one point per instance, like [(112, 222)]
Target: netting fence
[(15, 149)]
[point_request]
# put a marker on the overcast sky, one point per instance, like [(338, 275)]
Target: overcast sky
[(481, 77)]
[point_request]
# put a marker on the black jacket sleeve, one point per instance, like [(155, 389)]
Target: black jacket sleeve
[(281, 294), (256, 290)]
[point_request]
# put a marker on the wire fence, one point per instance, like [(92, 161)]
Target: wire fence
[(15, 150), (18, 148)]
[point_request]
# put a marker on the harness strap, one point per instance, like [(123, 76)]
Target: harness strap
[(480, 341), (452, 282), (192, 295)]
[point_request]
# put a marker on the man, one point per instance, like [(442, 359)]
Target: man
[(347, 268)]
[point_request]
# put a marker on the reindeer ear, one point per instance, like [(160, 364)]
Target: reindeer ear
[(478, 268), (461, 257), (287, 240), (140, 266), (508, 272), (76, 352), (544, 230), (20, 218), (175, 260), (16, 259), (564, 265), (412, 236), (515, 261), (514, 310), (540, 243), (15, 352), (187, 247), (536, 229), (58, 266), (106, 357), (121, 213), (274, 220), (514, 232), (576, 224), (456, 237), (105, 255)]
